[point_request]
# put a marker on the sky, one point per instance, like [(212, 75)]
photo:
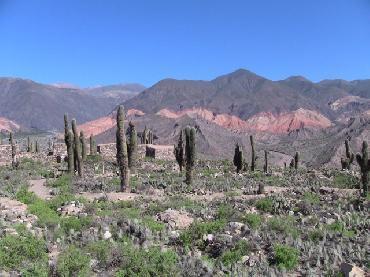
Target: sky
[(100, 42)]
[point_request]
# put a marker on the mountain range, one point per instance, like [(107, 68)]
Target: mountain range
[(294, 114)]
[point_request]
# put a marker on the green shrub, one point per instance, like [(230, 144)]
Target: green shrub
[(311, 197), (100, 250), (225, 212), (285, 257), (63, 183), (233, 255), (283, 225), (22, 252), (253, 220), (152, 224), (75, 223), (345, 180), (198, 229), (316, 235), (152, 262), (46, 216), (25, 196), (265, 204), (339, 227), (73, 262)]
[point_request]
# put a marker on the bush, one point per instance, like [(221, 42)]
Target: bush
[(265, 204), (73, 262), (283, 225), (25, 196), (23, 252), (231, 256), (285, 257), (100, 250), (152, 262), (198, 229), (253, 220), (46, 216), (75, 223), (316, 235), (311, 198)]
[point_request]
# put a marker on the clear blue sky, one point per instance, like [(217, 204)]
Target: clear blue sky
[(96, 42)]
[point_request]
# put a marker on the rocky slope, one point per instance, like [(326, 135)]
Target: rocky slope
[(35, 106)]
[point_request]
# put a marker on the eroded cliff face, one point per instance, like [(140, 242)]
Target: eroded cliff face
[(263, 122), (8, 125)]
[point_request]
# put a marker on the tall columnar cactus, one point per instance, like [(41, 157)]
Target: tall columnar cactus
[(348, 160), (179, 151), (37, 147), (122, 157), (14, 151), (150, 137), (83, 146), (265, 167), (296, 161), (77, 149), (132, 148), (92, 146), (238, 158), (29, 146), (68, 139), (254, 157), (144, 136), (364, 163), (190, 153)]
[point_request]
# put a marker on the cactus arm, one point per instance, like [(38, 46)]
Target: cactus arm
[(359, 159)]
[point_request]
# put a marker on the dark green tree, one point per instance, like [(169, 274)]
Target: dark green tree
[(122, 157)]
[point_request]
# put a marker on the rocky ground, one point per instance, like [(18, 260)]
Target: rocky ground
[(306, 223)]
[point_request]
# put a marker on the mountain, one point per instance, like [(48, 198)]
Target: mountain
[(35, 106), (244, 94)]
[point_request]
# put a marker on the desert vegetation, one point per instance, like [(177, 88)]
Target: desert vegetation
[(85, 214)]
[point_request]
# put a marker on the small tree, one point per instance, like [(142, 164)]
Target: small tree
[(364, 163), (122, 157), (238, 158), (179, 151), (189, 153)]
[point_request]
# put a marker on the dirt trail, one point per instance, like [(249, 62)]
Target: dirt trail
[(40, 189)]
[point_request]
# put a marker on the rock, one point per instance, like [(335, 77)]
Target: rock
[(351, 270), (176, 219), (330, 221), (208, 237), (107, 235)]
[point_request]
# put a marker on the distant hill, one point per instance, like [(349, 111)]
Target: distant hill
[(35, 106)]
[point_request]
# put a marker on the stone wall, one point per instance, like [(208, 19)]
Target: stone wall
[(161, 152), (6, 153)]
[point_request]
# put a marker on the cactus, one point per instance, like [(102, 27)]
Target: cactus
[(132, 148), (364, 163), (92, 146), (254, 157), (348, 160), (83, 146), (37, 147), (144, 136), (189, 153), (265, 167), (29, 146), (291, 164), (179, 151), (68, 139), (296, 161), (77, 149), (238, 158), (150, 137), (122, 157), (14, 152)]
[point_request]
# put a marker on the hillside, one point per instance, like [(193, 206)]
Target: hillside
[(35, 106)]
